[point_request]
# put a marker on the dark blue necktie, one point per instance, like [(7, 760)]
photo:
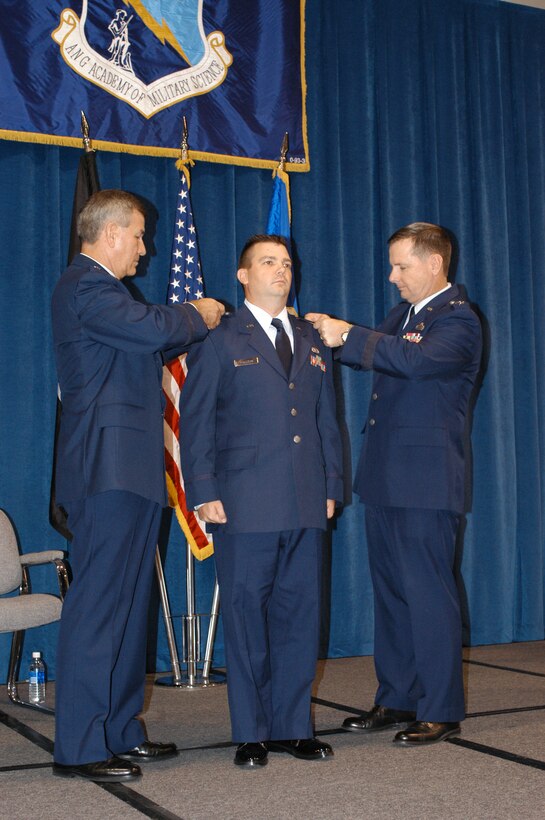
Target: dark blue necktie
[(282, 344)]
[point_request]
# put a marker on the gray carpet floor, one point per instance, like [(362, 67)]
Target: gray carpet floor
[(494, 771)]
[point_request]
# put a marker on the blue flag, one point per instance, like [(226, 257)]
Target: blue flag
[(279, 221)]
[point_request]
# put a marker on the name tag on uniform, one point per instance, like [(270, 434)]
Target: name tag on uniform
[(244, 362), (317, 361)]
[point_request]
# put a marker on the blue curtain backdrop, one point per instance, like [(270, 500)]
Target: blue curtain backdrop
[(418, 110)]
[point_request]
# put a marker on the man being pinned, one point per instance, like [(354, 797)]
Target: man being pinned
[(261, 456), (425, 358)]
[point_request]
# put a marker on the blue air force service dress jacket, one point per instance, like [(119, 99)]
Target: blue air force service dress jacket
[(108, 352), (265, 444), (415, 435)]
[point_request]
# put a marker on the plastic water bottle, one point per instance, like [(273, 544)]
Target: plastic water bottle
[(36, 679)]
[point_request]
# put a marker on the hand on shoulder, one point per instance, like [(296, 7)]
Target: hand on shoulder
[(333, 332), (210, 310)]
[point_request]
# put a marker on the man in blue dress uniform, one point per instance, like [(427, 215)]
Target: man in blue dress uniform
[(425, 357), (261, 455), (110, 478)]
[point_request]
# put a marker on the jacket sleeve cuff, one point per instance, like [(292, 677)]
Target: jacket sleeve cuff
[(200, 490), (334, 488), (198, 325), (359, 348)]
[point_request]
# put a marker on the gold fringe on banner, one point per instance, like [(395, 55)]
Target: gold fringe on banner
[(126, 148)]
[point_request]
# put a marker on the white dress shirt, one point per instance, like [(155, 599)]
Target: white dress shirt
[(265, 318)]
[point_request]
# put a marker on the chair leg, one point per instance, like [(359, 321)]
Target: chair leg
[(14, 660), (62, 577)]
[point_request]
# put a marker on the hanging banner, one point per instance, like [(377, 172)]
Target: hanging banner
[(235, 69)]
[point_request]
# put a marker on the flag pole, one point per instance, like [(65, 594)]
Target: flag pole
[(177, 678), (214, 615), (87, 144), (190, 630), (184, 145), (279, 218), (283, 152), (191, 621), (167, 618), (87, 183)]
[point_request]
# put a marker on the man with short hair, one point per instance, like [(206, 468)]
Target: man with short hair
[(425, 357), (261, 455), (110, 478)]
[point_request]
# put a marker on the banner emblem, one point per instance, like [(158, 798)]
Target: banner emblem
[(110, 51)]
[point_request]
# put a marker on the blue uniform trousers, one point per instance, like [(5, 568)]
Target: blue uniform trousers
[(101, 656), (270, 602), (418, 633)]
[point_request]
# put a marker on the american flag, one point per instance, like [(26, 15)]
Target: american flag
[(185, 284)]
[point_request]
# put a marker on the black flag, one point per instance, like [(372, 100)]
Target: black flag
[(86, 184)]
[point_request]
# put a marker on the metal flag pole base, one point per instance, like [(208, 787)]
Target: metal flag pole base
[(214, 679), (195, 677)]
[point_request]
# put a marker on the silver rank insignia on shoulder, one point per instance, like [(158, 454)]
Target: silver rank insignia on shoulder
[(250, 326), (457, 302)]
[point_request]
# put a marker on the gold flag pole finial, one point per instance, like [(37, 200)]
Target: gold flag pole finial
[(184, 160), (284, 151), (184, 145), (87, 145)]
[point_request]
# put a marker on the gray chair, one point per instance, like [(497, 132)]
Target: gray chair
[(28, 609)]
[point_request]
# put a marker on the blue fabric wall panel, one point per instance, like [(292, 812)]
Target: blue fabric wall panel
[(417, 110)]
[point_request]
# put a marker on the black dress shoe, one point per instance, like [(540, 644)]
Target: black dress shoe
[(380, 717), (112, 770), (308, 749), (148, 751), (251, 755), (423, 733)]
